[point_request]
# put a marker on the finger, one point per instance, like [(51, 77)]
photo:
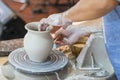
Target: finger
[(63, 32), (59, 40), (43, 24), (59, 37), (71, 40), (55, 19), (59, 43), (60, 34)]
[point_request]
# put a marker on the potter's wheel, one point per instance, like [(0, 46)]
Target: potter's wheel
[(20, 60)]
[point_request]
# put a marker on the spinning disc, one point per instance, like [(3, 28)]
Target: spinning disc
[(20, 60)]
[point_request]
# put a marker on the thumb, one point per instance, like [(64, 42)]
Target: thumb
[(42, 24)]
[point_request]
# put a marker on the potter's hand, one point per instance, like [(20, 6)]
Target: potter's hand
[(54, 20), (71, 34)]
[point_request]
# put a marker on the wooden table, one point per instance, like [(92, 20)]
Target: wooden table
[(27, 14)]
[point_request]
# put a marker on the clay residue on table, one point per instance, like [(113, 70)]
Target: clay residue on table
[(10, 45)]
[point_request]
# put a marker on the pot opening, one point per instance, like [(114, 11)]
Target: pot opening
[(33, 28)]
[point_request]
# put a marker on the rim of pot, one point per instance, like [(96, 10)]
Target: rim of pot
[(27, 27)]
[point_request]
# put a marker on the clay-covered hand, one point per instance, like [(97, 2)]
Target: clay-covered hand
[(71, 34), (54, 20)]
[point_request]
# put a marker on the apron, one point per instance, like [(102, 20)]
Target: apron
[(111, 23)]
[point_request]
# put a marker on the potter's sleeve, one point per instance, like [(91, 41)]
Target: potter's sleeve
[(111, 23)]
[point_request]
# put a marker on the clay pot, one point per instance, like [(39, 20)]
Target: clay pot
[(37, 44)]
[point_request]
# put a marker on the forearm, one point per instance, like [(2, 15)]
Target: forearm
[(89, 9)]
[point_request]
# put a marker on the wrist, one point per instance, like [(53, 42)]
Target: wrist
[(66, 20), (65, 16)]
